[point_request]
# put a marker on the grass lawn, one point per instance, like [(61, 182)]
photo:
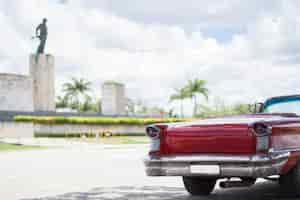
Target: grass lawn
[(118, 140), (16, 147)]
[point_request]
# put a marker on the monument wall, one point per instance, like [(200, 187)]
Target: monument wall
[(16, 130), (16, 92), (113, 98), (67, 129), (42, 72)]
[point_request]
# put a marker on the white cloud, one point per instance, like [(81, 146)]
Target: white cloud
[(150, 47)]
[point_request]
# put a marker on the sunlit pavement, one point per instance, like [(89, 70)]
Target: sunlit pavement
[(90, 172)]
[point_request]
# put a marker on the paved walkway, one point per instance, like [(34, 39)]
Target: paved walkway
[(89, 172), (68, 143)]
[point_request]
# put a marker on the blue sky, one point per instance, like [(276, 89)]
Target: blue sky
[(246, 50)]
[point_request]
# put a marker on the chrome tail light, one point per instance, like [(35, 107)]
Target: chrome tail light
[(262, 132), (154, 132)]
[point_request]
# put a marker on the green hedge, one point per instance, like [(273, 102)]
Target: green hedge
[(95, 120)]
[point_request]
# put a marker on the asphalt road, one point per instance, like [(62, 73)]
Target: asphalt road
[(85, 172)]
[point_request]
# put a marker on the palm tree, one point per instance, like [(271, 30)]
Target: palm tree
[(76, 90), (195, 87), (62, 102), (180, 95)]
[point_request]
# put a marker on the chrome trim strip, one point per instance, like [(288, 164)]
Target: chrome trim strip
[(284, 150), (254, 166), (219, 158)]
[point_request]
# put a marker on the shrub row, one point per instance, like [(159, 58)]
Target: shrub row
[(95, 120)]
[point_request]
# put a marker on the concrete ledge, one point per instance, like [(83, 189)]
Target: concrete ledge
[(28, 129), (65, 129), (16, 130)]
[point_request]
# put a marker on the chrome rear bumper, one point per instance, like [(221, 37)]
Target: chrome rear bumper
[(254, 166)]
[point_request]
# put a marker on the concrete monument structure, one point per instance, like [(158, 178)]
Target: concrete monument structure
[(113, 98), (42, 72), (16, 92), (34, 92)]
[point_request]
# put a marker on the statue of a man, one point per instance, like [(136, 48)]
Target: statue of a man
[(41, 32)]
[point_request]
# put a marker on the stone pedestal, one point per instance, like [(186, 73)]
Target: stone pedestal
[(42, 72), (113, 98)]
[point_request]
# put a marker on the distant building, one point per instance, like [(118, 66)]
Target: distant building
[(113, 98)]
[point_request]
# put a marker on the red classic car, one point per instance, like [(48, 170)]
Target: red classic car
[(237, 149)]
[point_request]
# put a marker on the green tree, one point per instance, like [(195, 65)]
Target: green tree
[(87, 104), (140, 108), (180, 94), (62, 102), (242, 108), (90, 105), (76, 91), (219, 109), (194, 88), (136, 108), (130, 107)]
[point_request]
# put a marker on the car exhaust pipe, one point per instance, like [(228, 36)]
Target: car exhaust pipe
[(241, 183)]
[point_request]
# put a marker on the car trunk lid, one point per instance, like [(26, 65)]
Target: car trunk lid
[(219, 135)]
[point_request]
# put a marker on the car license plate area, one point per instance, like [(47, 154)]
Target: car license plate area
[(205, 169)]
